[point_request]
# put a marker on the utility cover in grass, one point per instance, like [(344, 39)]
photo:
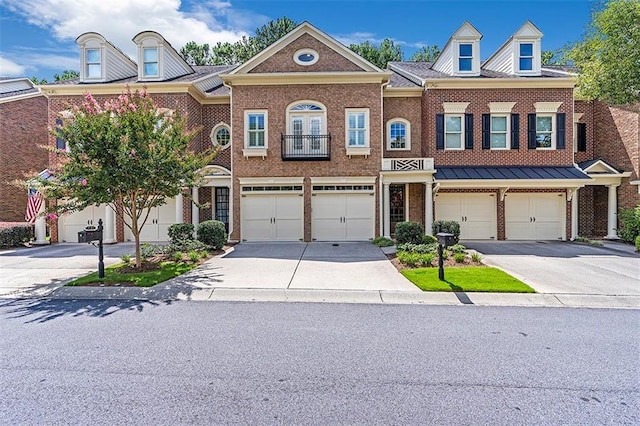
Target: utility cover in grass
[(485, 279)]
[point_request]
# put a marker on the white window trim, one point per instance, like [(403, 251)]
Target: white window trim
[(508, 131), (577, 116), (291, 113), (501, 107), (357, 149), (553, 131), (212, 135), (465, 57), (407, 143), (157, 49), (150, 43), (303, 51), (455, 107), (85, 63), (536, 59), (256, 151), (475, 58), (461, 148)]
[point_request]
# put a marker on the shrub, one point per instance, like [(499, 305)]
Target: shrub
[(409, 232), (212, 233), (383, 242), (429, 239), (180, 231), (418, 248), (126, 258), (629, 224), (177, 256), (458, 248), (147, 250), (459, 257), (450, 226), (638, 243), (185, 246), (416, 259), (193, 256), (16, 234), (476, 257), (596, 243)]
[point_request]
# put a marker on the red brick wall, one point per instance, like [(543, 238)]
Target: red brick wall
[(416, 203), (478, 104), (213, 115), (411, 110), (587, 108), (328, 60), (275, 99), (23, 128)]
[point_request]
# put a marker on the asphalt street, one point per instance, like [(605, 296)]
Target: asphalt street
[(128, 362)]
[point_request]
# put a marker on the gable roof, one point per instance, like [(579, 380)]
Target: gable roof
[(17, 88), (306, 28), (526, 31), (598, 166)]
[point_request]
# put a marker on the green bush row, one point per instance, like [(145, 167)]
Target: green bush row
[(210, 233), (16, 235)]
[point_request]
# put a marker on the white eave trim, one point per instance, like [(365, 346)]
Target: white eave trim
[(271, 181), (335, 180), (514, 183), (21, 97)]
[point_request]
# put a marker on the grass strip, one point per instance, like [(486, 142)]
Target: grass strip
[(471, 279), (140, 279)]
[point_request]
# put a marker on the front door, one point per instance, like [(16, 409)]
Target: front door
[(397, 210), (221, 198)]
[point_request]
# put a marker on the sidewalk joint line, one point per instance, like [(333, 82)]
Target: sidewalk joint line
[(298, 264)]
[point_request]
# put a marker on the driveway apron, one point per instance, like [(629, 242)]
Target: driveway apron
[(326, 266)]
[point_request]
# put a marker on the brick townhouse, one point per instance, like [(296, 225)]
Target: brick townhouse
[(318, 144)]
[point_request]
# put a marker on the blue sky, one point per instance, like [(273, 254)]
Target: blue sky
[(37, 37)]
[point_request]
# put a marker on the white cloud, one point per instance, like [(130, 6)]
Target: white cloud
[(11, 69), (120, 20)]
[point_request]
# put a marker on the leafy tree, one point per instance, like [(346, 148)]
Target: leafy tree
[(66, 75), (272, 31), (127, 153), (608, 55), (426, 54), (387, 52), (197, 54), (36, 80), (555, 57)]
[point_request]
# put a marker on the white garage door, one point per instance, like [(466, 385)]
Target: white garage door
[(75, 222), (534, 216), (157, 226), (342, 216), (272, 217), (476, 214)]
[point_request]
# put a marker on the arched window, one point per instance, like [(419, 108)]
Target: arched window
[(221, 135), (398, 134)]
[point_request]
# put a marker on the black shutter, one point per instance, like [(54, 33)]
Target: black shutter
[(439, 131), (59, 141), (531, 122), (582, 137), (468, 131), (486, 131), (515, 131), (560, 130)]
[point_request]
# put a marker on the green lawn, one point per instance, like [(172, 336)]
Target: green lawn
[(141, 279), (476, 278)]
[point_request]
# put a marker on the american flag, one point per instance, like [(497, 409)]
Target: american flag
[(34, 202)]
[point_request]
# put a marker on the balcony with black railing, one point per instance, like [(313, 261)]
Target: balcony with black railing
[(306, 147)]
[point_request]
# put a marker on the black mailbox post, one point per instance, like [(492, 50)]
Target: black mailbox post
[(90, 235), (445, 239)]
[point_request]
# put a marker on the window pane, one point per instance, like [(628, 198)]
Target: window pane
[(151, 69), (150, 55), (543, 140), (543, 124), (526, 64), (356, 120), (453, 124), (526, 49), (452, 141), (398, 130), (256, 122), (464, 64), (356, 137), (498, 140), (222, 137), (466, 50), (93, 56), (498, 124), (93, 70)]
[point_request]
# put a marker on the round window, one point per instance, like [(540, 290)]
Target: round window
[(305, 57), (221, 136)]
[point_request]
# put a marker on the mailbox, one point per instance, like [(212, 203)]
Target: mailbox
[(82, 237), (89, 235), (446, 239)]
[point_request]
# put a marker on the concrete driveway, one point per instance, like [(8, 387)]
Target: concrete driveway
[(38, 270), (319, 266), (566, 268)]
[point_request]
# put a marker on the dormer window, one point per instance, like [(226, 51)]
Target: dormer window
[(150, 62), (465, 57), (93, 63), (526, 57)]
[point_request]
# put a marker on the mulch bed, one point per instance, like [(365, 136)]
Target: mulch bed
[(448, 263)]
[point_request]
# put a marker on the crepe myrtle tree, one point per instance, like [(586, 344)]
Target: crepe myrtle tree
[(127, 153)]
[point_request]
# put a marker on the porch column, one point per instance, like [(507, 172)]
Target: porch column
[(179, 209), (40, 227), (574, 215), (195, 211), (386, 202), (428, 207), (612, 213), (109, 236)]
